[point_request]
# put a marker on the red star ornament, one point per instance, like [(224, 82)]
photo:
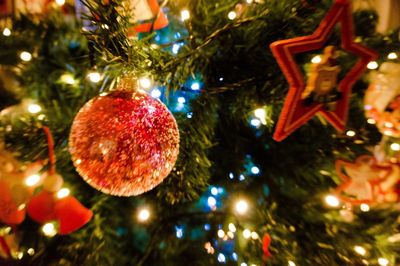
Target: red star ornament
[(295, 113)]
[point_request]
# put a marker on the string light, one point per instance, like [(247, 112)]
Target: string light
[(241, 207), (60, 2), (249, 1), (255, 122), (230, 235), (261, 115), (221, 258), (232, 15), (392, 56), (243, 264), (6, 32), (360, 250), (291, 263), (179, 232), (185, 14), (364, 207), (246, 233), (214, 191), (67, 78), (332, 201), (209, 248), (32, 180), (242, 177), (145, 83), (395, 146), (25, 56), (94, 76), (371, 121), (221, 233), (372, 65), (156, 93), (31, 251), (255, 170), (350, 133), (143, 215), (232, 227), (254, 235), (34, 108), (212, 202), (49, 230), (195, 86), (383, 262), (62, 193), (175, 48), (316, 59)]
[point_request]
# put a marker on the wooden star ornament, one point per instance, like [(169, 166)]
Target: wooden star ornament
[(296, 111)]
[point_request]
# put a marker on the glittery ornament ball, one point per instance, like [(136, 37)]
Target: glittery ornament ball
[(124, 142)]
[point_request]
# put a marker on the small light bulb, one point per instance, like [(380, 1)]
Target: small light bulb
[(49, 230), (94, 76), (230, 235), (246, 233), (62, 193), (25, 56), (249, 1), (60, 2), (364, 207), (212, 202), (316, 59), (34, 108), (259, 113), (6, 32), (332, 201), (156, 93), (372, 65), (221, 233), (67, 78), (383, 261), (31, 251), (214, 191), (232, 15), (221, 258), (360, 250), (143, 215), (185, 14), (195, 86), (232, 227), (395, 147), (291, 263), (32, 180), (241, 207), (145, 83), (371, 121), (350, 133), (181, 100), (390, 56), (255, 170), (254, 235), (255, 122), (243, 264)]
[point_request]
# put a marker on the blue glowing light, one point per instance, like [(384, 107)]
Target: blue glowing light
[(221, 258), (175, 48), (179, 231), (241, 177), (211, 201), (195, 86), (189, 115), (234, 256), (207, 227), (181, 100)]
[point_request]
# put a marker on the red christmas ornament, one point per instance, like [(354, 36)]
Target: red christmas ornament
[(10, 213), (41, 207), (295, 112), (124, 142), (266, 243)]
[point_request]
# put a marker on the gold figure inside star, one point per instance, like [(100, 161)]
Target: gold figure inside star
[(323, 76)]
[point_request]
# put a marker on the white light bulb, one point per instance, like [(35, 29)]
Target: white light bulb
[(371, 121), (34, 108), (145, 83), (246, 233), (291, 263), (221, 258), (364, 207), (156, 93), (360, 250), (143, 215), (62, 193), (392, 56), (181, 100), (195, 86), (372, 65), (94, 76), (185, 14), (383, 262), (32, 180), (241, 207), (254, 235), (67, 78), (332, 201), (49, 230), (232, 15), (221, 233), (350, 133), (214, 191), (249, 1), (211, 201), (395, 146), (260, 113), (6, 32), (31, 251), (255, 170), (232, 227), (316, 59), (25, 56), (243, 264), (255, 122), (60, 2)]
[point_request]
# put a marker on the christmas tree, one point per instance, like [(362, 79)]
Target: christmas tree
[(284, 115)]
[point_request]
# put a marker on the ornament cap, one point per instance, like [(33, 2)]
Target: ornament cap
[(128, 82)]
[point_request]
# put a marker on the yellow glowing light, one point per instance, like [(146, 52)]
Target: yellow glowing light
[(261, 115), (395, 146), (230, 234), (291, 263), (62, 193), (316, 59), (31, 251), (383, 262), (371, 121), (232, 227), (32, 180), (94, 76), (364, 207), (249, 1), (185, 14), (246, 233), (6, 32), (241, 207), (145, 83), (221, 233), (392, 56), (143, 215), (49, 230), (34, 108), (67, 78), (232, 15), (350, 133), (372, 65), (360, 250), (60, 2), (332, 201), (25, 56), (254, 235)]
